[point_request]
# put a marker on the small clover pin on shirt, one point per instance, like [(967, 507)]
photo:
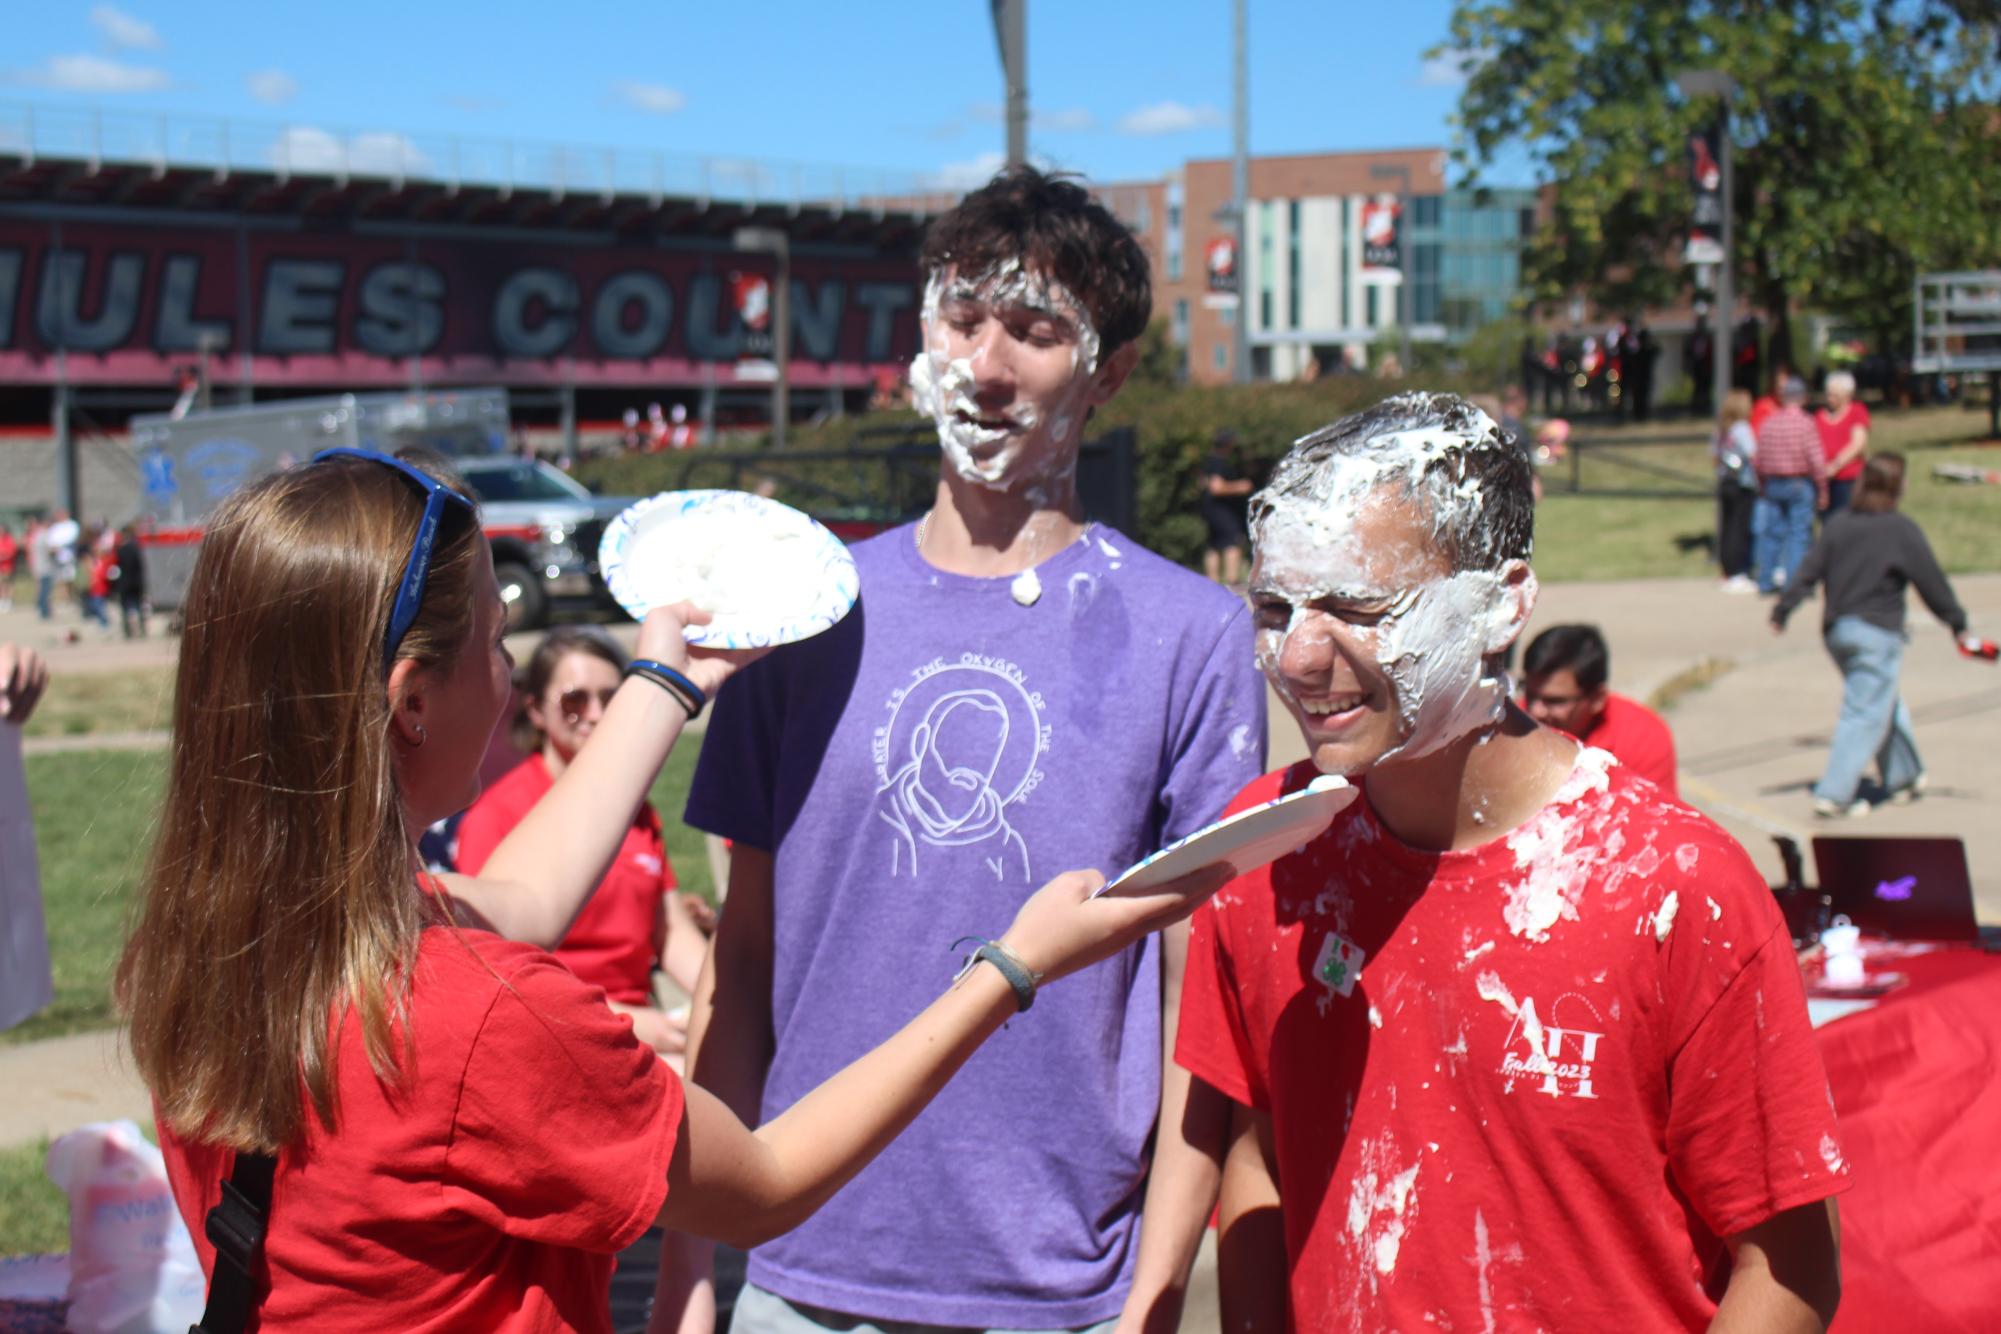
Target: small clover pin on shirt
[(1338, 965)]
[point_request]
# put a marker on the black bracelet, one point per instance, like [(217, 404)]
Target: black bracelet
[(674, 683), (1019, 978)]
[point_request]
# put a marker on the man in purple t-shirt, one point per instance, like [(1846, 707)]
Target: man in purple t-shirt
[(1018, 691)]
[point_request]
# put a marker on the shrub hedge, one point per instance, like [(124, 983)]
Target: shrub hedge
[(1174, 426)]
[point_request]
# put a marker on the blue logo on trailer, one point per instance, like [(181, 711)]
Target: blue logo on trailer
[(224, 465), (156, 473)]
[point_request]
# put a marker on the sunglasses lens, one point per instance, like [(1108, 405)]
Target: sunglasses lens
[(574, 702)]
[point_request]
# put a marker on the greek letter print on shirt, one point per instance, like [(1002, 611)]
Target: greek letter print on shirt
[(1567, 1065), (962, 745)]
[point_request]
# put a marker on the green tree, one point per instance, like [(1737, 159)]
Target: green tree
[(1865, 134)]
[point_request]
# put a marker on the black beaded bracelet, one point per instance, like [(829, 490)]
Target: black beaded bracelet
[(674, 683)]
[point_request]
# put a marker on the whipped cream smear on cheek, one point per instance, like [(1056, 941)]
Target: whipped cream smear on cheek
[(942, 386), (1437, 631)]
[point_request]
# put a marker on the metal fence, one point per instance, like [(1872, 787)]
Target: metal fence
[(96, 137), (1667, 467)]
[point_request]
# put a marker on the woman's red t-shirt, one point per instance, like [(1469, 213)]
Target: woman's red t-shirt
[(527, 1144), (614, 943)]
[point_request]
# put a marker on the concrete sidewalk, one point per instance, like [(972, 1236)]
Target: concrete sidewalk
[(1753, 740)]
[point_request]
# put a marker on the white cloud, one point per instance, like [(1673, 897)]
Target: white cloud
[(971, 173), (1170, 118), (121, 29), (272, 87), (654, 98), (94, 74), (1041, 118), (1067, 118), (378, 153)]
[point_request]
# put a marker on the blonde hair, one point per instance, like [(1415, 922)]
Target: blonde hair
[(280, 890), (1736, 408)]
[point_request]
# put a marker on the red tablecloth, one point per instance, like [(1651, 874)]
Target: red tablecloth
[(1916, 1088)]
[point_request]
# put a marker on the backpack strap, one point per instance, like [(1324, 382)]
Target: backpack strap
[(236, 1229)]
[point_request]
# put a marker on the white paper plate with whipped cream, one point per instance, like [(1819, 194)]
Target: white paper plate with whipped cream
[(767, 573), (1247, 840)]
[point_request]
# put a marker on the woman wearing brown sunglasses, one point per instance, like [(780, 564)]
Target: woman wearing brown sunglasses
[(457, 1133), (635, 921)]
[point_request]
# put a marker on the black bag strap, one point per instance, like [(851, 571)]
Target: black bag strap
[(236, 1229)]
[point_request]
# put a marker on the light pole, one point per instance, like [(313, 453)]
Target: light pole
[(1384, 171), (1695, 83), (1011, 34), (1240, 188), (773, 241)]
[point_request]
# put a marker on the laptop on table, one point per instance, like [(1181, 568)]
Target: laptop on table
[(1899, 888)]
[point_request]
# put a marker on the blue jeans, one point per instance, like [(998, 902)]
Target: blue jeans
[(45, 587), (1874, 723), (1784, 529)]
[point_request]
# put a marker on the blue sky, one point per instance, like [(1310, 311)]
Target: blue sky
[(1121, 91)]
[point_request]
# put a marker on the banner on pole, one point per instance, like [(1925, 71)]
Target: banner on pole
[(1705, 178)]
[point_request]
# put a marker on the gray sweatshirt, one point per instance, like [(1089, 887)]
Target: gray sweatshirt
[(1866, 561)]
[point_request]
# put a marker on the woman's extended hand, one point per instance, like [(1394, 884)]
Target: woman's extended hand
[(1062, 928), (660, 639)]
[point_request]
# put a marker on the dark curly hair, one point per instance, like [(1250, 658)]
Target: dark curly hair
[(1051, 224), (1485, 536)]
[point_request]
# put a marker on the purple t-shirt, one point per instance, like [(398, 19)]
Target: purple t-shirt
[(917, 772)]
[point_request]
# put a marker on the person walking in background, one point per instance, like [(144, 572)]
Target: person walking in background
[(1734, 448), (41, 567), (10, 562), (97, 576), (635, 921), (1844, 438), (1792, 484), (1224, 489), (1867, 555), (130, 582)]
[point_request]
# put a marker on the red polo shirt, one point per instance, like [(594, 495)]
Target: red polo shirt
[(1834, 436), (615, 942)]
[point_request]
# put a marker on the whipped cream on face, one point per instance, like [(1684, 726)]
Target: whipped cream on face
[(987, 448), (1434, 633)]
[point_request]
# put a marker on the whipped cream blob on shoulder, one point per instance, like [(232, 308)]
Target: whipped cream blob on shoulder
[(1009, 355), (1386, 579)]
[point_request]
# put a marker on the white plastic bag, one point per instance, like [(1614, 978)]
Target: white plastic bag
[(132, 1266)]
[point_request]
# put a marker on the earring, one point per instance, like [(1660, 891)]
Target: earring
[(423, 734)]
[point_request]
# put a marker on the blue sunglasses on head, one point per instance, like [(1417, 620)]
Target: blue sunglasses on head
[(410, 592)]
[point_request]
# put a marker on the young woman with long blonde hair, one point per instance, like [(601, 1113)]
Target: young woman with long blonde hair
[(461, 1133)]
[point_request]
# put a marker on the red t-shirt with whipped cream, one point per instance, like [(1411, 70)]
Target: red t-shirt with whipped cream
[(1835, 433), (614, 943), (527, 1145), (1638, 738), (1533, 1084)]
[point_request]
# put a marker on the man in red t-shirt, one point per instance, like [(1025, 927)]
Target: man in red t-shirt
[(1564, 674), (1844, 437), (1517, 1043)]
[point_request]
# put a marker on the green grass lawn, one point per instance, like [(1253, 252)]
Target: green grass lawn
[(94, 813), (81, 703), (34, 1215), (1592, 535)]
